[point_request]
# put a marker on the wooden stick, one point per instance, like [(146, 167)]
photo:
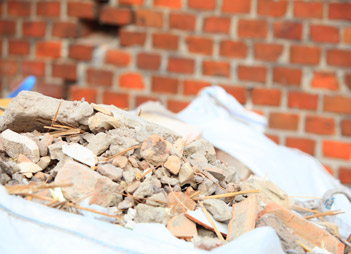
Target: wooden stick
[(65, 132), (219, 235), (23, 189), (329, 213), (145, 173), (304, 209), (55, 116), (93, 211), (304, 246), (231, 194), (122, 152)]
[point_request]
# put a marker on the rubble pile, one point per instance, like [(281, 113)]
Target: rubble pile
[(81, 157)]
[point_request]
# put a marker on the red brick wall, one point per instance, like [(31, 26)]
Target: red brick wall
[(289, 59)]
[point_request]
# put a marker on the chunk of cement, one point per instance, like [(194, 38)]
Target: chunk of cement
[(16, 144), (201, 146), (218, 209), (99, 143), (86, 183), (80, 153), (102, 122), (110, 171), (186, 174), (145, 189), (150, 214), (30, 111), (154, 150)]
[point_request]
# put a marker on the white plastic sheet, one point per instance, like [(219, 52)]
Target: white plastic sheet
[(295, 172), (28, 227)]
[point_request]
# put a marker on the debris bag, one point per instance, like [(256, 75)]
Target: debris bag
[(223, 124), (29, 227)]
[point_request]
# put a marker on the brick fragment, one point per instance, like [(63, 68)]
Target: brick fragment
[(65, 71), (174, 4), (239, 6), (266, 96), (117, 58), (252, 73), (339, 11), (77, 93), (336, 149), (120, 100), (33, 28), (219, 69), (304, 144), (48, 9), (305, 55), (346, 127), (320, 125), (165, 41), (204, 5), (192, 87), (148, 61), (216, 25), (115, 15), (149, 18), (131, 80), (283, 121), (302, 100), (48, 49), (199, 45), (287, 76), (181, 65), (325, 80), (18, 47), (83, 10), (308, 9), (182, 21), (339, 57), (130, 38), (322, 33), (99, 77), (81, 52), (232, 49), (337, 104), (252, 28), (18, 9), (271, 8), (267, 52), (287, 30), (161, 84)]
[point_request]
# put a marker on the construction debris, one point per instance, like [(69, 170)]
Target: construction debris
[(95, 159)]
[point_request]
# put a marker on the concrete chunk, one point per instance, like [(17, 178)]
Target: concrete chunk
[(218, 209), (150, 214), (102, 122), (154, 149), (16, 144), (30, 111), (110, 171), (203, 147), (99, 143)]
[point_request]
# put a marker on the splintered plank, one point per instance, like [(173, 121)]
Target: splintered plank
[(244, 215)]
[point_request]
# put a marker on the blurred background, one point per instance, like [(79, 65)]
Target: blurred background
[(288, 60)]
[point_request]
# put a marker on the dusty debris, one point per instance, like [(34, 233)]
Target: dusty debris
[(102, 156), (15, 144), (151, 214), (218, 209)]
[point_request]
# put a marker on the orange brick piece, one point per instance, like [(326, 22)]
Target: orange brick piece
[(304, 229), (244, 217)]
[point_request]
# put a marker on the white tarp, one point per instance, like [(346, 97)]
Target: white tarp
[(224, 123), (28, 227)]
